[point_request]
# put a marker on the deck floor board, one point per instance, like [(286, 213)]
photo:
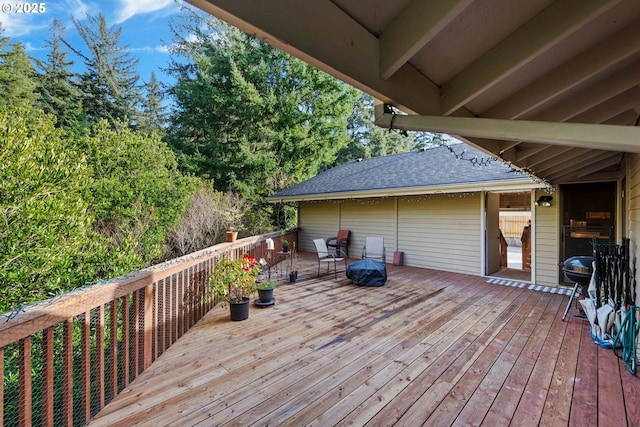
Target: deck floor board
[(428, 348)]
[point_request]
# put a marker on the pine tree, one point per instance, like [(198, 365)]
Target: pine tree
[(58, 94), (253, 118), (369, 140), (110, 82), (17, 83), (153, 117)]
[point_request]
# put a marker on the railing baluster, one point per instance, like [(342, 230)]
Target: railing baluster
[(161, 323), (174, 308), (126, 338), (113, 349), (1, 386), (85, 351), (136, 334), (67, 375), (100, 371), (47, 376), (25, 382), (149, 327)]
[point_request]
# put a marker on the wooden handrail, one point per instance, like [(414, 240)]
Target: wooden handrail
[(503, 250), (94, 341), (526, 247)]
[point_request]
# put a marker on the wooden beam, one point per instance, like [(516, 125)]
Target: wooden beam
[(323, 35), (521, 153), (585, 167), (570, 161), (607, 87), (553, 25), (546, 155), (610, 108), (603, 137), (628, 118), (414, 27)]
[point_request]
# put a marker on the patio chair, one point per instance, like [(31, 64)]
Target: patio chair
[(374, 249), (340, 242), (325, 257)]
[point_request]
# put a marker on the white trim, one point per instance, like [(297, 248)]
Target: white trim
[(483, 239), (518, 185), (532, 237)]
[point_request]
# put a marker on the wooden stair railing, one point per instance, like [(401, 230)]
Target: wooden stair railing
[(503, 250), (526, 247), (64, 359)]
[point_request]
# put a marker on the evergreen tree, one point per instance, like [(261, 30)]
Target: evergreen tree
[(367, 139), (58, 94), (153, 117), (109, 84), (17, 83), (251, 117)]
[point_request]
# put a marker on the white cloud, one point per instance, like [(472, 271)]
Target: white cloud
[(31, 48), (21, 24), (78, 9), (130, 8), (151, 49), (17, 24)]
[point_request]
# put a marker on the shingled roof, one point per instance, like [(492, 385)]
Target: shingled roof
[(434, 170)]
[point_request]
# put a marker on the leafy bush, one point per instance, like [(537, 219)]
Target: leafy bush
[(45, 227)]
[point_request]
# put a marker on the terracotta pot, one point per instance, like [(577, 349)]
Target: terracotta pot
[(232, 236)]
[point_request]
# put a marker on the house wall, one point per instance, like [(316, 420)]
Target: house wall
[(317, 219), (546, 232), (439, 231), (370, 217), (632, 228)]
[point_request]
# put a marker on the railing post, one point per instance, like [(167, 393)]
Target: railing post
[(148, 326), (25, 382)]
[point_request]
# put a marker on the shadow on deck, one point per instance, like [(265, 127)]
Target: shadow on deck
[(430, 347)]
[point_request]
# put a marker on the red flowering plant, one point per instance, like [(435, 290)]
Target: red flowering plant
[(234, 280)]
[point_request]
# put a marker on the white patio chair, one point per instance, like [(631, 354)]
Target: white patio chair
[(374, 249), (325, 257)]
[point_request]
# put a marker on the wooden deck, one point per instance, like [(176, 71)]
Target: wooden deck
[(429, 348)]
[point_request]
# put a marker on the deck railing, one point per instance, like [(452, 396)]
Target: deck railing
[(64, 359)]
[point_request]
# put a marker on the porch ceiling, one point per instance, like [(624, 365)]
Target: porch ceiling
[(565, 62)]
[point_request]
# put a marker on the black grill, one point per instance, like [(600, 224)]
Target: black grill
[(578, 269)]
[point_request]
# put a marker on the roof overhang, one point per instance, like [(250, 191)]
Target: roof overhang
[(471, 187), (492, 62)]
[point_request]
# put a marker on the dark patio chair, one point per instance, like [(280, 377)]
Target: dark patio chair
[(340, 242)]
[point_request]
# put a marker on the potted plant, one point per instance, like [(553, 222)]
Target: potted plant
[(285, 245), (293, 272), (265, 293), (233, 281)]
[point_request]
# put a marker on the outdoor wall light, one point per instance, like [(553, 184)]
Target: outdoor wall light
[(544, 201)]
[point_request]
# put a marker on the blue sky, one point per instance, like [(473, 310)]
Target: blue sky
[(145, 27)]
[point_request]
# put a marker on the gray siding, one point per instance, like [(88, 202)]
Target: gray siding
[(317, 220), (370, 217), (547, 243), (633, 212), (441, 232)]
